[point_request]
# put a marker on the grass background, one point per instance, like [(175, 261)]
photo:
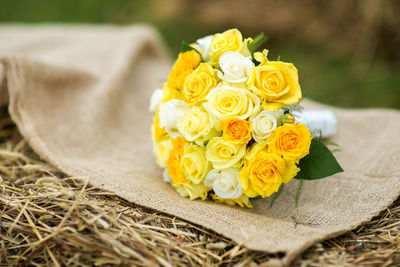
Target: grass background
[(334, 76), (340, 77)]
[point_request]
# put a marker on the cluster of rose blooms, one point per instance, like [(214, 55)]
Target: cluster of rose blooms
[(222, 129)]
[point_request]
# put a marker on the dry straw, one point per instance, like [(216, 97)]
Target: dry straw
[(49, 219)]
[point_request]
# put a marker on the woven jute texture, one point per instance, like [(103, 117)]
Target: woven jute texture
[(80, 95)]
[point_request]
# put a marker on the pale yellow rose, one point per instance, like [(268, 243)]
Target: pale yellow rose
[(243, 201), (199, 83), (223, 154), (276, 83), (261, 57), (228, 102), (230, 40), (193, 191), (194, 163), (162, 150), (195, 125), (263, 173)]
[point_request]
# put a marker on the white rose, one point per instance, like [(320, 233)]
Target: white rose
[(226, 102), (264, 124), (155, 99), (204, 46), (170, 113), (225, 183), (235, 67)]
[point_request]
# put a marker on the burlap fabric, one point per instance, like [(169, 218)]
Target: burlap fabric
[(80, 95)]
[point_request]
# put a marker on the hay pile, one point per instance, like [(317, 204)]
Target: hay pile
[(49, 219)]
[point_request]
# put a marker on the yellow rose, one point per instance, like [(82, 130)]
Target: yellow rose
[(169, 93), (236, 131), (183, 66), (264, 172), (230, 40), (227, 102), (195, 125), (276, 83), (194, 164), (261, 57), (292, 141), (193, 191), (162, 150), (199, 83), (223, 154), (174, 161), (287, 118), (157, 132), (243, 201)]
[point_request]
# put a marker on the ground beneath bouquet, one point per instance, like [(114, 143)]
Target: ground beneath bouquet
[(50, 219)]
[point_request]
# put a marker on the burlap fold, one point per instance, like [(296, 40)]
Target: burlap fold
[(79, 95)]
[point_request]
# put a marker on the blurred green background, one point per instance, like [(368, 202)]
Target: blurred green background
[(347, 51)]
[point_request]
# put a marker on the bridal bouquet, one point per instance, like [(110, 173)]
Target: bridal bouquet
[(224, 127)]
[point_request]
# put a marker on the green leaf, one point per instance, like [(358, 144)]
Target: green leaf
[(279, 58), (320, 163), (298, 193), (330, 143), (187, 47), (276, 195), (333, 147), (317, 134), (257, 42)]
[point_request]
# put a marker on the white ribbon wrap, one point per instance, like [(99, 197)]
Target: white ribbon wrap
[(318, 121)]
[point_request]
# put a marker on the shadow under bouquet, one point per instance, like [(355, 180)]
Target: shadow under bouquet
[(226, 125)]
